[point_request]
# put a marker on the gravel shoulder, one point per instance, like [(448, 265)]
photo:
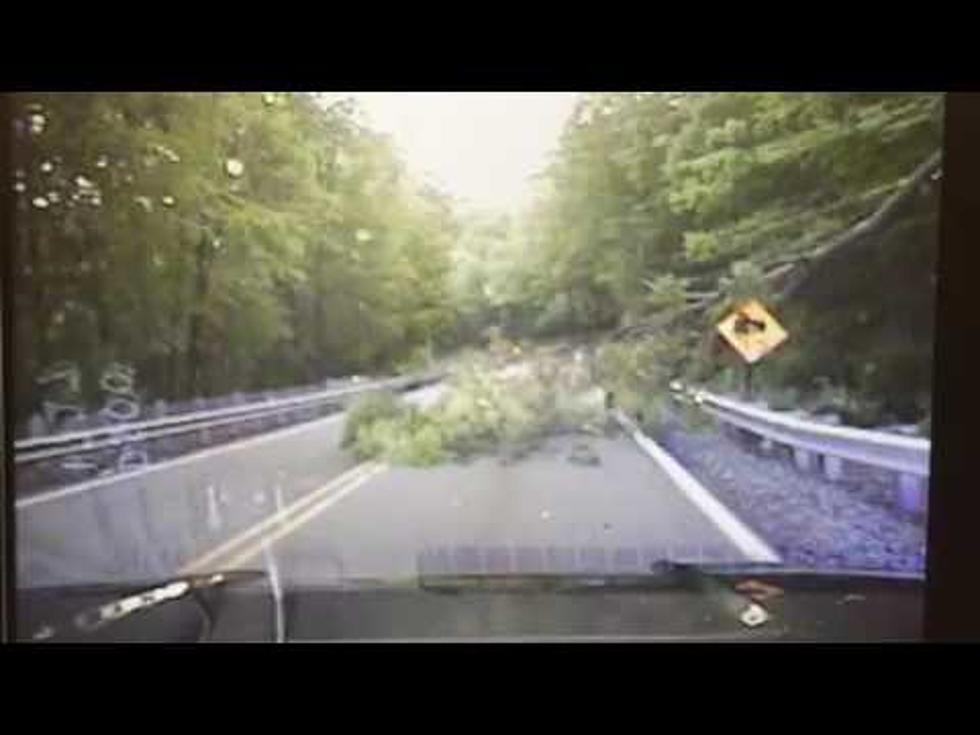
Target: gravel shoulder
[(808, 520)]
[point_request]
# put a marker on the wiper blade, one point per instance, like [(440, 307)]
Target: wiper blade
[(99, 616)]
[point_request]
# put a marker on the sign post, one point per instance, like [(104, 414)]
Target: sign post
[(753, 333)]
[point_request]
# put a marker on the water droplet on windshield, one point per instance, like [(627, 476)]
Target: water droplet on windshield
[(363, 235), (83, 183), (234, 167), (269, 98), (47, 167), (54, 197), (101, 162), (168, 201), (40, 202), (19, 186), (144, 202)]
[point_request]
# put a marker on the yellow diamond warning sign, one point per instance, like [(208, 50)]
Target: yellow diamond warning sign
[(752, 331)]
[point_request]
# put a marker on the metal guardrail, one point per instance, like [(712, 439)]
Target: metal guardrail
[(91, 440), (905, 455)]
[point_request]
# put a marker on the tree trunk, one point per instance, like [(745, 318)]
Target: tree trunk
[(195, 327)]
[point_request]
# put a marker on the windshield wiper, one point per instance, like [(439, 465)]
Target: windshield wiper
[(99, 616)]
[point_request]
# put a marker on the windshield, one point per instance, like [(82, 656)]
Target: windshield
[(391, 337)]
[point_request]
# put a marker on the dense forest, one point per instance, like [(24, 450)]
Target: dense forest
[(665, 205), (236, 241), (216, 242)]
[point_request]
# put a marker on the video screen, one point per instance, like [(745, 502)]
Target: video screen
[(297, 366)]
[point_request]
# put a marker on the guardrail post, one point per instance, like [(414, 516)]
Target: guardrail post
[(912, 493), (199, 405), (803, 458), (237, 399), (833, 467)]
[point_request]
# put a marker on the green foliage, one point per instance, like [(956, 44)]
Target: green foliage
[(785, 399), (667, 294), (242, 240), (369, 409), (701, 246), (638, 375), (219, 241), (710, 189), (693, 418), (487, 411), (746, 281), (412, 439)]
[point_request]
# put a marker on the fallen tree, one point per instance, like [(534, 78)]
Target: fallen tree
[(788, 274)]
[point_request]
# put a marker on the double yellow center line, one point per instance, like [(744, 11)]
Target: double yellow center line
[(250, 542)]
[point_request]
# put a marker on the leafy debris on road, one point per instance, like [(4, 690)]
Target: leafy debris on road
[(488, 409), (583, 453)]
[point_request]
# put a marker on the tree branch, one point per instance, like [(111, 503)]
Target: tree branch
[(796, 270), (885, 214)]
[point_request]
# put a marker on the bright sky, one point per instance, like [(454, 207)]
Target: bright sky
[(480, 147)]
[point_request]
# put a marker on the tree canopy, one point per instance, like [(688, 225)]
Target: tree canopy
[(229, 241), (220, 241), (654, 201)]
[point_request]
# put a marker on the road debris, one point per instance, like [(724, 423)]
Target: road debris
[(584, 454)]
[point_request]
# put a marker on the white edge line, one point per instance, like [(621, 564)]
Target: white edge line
[(168, 464), (737, 532)]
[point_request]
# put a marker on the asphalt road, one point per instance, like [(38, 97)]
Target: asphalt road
[(544, 513), (150, 523), (293, 503)]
